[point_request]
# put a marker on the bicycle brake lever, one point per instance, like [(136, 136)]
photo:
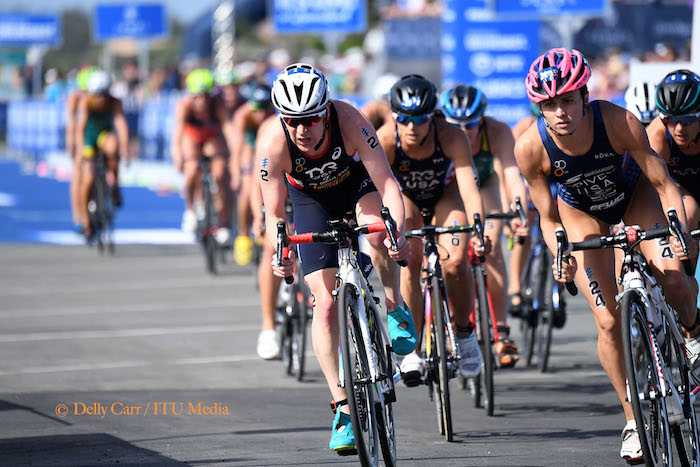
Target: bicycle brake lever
[(282, 248), (390, 224), (676, 229), (562, 255), (523, 218)]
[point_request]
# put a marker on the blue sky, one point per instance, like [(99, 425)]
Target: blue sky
[(183, 10)]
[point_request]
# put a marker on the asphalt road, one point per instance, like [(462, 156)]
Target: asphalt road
[(149, 331)]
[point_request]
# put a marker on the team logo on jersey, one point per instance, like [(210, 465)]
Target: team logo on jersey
[(300, 161), (336, 153), (404, 166), (559, 167), (322, 172)]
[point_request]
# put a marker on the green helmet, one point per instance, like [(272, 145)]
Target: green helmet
[(226, 77), (200, 81), (84, 75)]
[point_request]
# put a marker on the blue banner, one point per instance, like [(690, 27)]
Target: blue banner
[(18, 30), (493, 56), (538, 8), (319, 16), (137, 21), (412, 39)]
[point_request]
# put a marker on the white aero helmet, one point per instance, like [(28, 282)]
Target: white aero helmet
[(640, 99), (300, 91), (99, 82)]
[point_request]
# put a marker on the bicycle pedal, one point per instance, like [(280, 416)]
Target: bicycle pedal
[(347, 452)]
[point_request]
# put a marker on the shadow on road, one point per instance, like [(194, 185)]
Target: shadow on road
[(82, 449)]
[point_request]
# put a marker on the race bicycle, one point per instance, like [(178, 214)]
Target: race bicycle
[(660, 387), (101, 208), (439, 345), (209, 225), (368, 370)]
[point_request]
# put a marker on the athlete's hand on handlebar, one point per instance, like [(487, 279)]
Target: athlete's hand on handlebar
[(519, 229), (286, 266), (480, 249), (677, 247), (404, 248), (568, 270)]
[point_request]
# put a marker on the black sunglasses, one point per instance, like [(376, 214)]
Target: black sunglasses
[(684, 120)]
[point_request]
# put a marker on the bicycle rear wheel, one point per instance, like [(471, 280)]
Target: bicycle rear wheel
[(357, 377), (485, 335), (643, 386), (545, 320), (531, 284), (443, 352)]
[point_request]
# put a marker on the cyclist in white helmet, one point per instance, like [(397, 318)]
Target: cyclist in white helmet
[(640, 99), (323, 150), (101, 127)]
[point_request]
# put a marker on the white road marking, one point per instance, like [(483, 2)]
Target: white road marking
[(122, 237), (118, 333)]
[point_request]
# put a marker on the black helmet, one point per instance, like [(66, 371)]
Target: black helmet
[(463, 104), (679, 93), (259, 94), (413, 95)]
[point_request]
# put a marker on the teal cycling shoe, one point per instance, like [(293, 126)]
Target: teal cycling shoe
[(402, 340), (342, 436)]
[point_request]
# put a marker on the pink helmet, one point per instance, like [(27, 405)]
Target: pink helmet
[(556, 72)]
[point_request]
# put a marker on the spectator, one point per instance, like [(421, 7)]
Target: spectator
[(54, 86)]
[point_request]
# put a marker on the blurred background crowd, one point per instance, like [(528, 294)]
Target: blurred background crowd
[(399, 37)]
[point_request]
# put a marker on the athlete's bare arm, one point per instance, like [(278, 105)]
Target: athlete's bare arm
[(503, 145), (71, 111), (272, 160), (80, 126), (360, 136), (256, 200), (535, 167), (456, 146), (238, 124), (627, 134), (122, 129), (178, 132), (226, 126), (657, 138), (387, 138)]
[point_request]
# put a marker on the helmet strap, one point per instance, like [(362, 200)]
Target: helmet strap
[(425, 138), (323, 138)]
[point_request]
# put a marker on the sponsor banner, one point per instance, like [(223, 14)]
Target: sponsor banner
[(319, 16), (491, 55), (21, 30), (137, 21)]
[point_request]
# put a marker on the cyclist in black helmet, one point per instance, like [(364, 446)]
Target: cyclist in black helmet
[(426, 154), (675, 136)]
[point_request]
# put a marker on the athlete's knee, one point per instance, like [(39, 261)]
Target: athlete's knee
[(608, 325), (454, 266), (324, 309)]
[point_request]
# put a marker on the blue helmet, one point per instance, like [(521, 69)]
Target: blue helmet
[(463, 104)]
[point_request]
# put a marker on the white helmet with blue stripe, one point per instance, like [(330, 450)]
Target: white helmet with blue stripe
[(300, 91)]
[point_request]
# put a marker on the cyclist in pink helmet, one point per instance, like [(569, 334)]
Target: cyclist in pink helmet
[(605, 171)]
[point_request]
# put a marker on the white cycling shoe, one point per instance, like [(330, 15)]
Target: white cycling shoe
[(223, 235), (189, 221), (412, 369), (470, 355), (268, 345), (631, 449)]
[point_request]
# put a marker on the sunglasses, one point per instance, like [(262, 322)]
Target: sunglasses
[(416, 119), (306, 121), (471, 125), (684, 120)]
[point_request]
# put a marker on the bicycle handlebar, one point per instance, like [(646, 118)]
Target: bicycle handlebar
[(563, 253), (341, 232), (516, 211)]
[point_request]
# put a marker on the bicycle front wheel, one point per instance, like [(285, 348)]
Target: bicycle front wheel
[(685, 434), (643, 386), (302, 313), (545, 320), (357, 376), (485, 329), (443, 353)]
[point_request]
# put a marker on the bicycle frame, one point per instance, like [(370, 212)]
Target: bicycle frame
[(349, 272)]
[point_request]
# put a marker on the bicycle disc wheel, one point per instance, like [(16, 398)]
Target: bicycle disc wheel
[(357, 377), (545, 320), (486, 340), (643, 384), (686, 435), (443, 353)]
